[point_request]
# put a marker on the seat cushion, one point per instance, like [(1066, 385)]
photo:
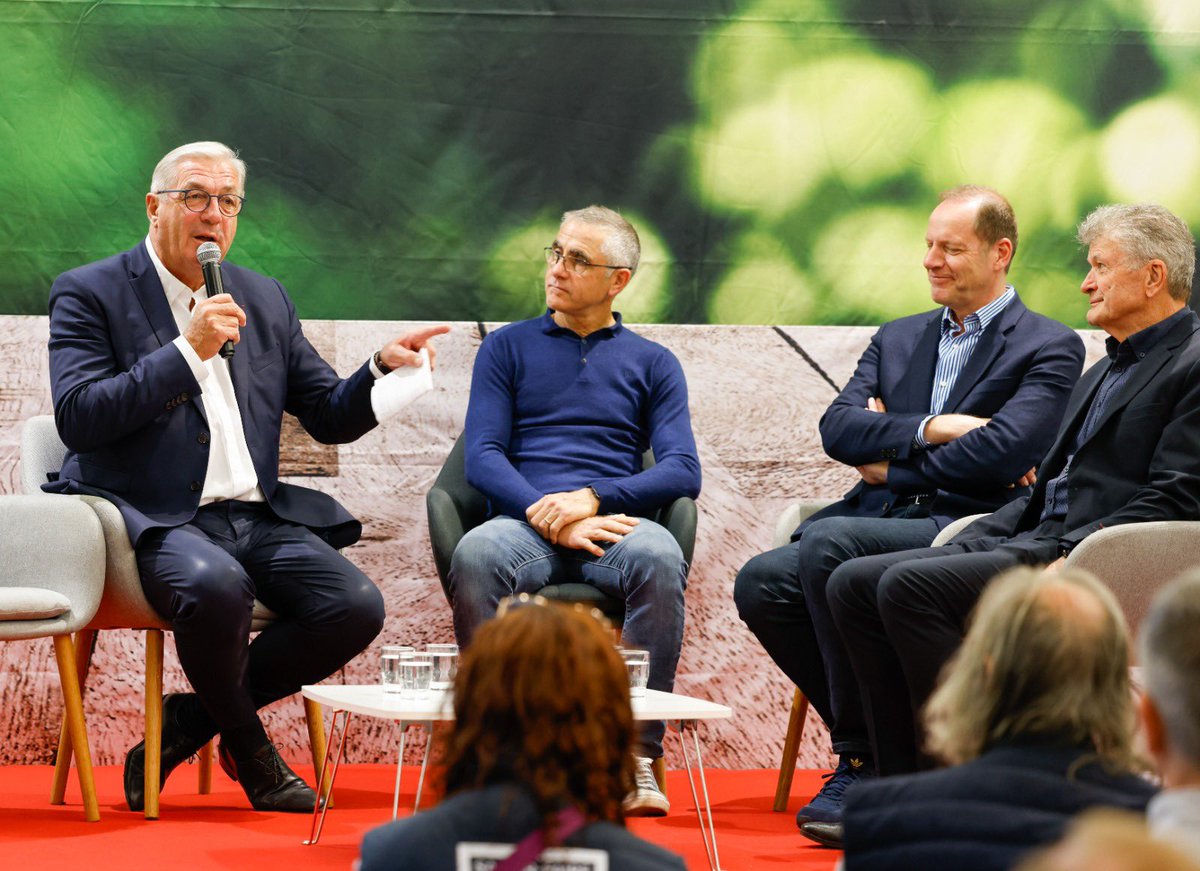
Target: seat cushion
[(31, 603)]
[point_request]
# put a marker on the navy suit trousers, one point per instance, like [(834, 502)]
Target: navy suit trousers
[(204, 576)]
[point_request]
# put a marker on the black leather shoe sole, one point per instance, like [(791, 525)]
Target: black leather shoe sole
[(825, 834)]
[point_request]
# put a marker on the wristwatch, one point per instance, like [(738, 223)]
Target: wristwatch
[(380, 365), (1064, 549), (592, 490)]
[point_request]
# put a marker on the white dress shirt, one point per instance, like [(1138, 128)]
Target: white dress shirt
[(230, 473)]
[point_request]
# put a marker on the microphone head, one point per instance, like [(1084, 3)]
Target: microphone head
[(208, 252)]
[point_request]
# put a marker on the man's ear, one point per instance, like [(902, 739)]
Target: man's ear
[(620, 280), (152, 203), (1156, 278), (1004, 253)]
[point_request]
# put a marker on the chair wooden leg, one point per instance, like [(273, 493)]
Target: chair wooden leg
[(153, 756), (85, 643), (659, 767), (204, 772), (64, 653), (791, 750), (317, 742)]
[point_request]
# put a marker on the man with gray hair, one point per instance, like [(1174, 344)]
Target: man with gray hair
[(185, 442), (1128, 451), (1170, 710), (562, 408)]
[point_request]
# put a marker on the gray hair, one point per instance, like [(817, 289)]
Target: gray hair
[(167, 172), (621, 244), (1145, 232), (1170, 657), (1046, 654)]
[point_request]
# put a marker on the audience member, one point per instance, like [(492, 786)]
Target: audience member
[(540, 752), (1035, 713), (945, 412), (1128, 452), (1170, 710), (1108, 840), (562, 408)]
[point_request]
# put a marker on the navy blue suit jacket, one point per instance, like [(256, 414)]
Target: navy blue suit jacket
[(129, 411), (1019, 375), (984, 814)]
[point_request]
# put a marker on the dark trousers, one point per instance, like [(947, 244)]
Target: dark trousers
[(204, 576), (901, 616), (781, 596)]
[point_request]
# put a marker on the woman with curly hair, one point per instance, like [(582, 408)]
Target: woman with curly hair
[(540, 754)]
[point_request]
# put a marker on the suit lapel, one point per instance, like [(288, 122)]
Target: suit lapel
[(239, 363), (990, 347), (148, 291), (1077, 407), (1143, 373), (918, 379)]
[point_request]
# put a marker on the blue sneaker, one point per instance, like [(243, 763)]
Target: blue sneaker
[(826, 806)]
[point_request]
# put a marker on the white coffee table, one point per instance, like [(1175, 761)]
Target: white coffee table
[(682, 714)]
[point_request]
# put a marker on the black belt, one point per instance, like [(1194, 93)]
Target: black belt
[(917, 499)]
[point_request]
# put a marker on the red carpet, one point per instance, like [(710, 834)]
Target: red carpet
[(220, 831)]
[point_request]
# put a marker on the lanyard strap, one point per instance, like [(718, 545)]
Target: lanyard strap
[(530, 847)]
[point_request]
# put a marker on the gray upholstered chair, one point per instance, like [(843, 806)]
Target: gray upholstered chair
[(51, 581), (124, 606), (791, 517)]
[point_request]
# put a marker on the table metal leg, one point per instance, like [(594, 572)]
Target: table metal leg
[(399, 768), (709, 832), (424, 764), (320, 808)]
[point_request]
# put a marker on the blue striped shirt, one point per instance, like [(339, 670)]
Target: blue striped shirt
[(954, 350)]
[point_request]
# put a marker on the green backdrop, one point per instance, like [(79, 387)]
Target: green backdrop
[(410, 160)]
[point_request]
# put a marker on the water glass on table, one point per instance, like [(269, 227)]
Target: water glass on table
[(389, 666), (638, 663), (416, 674), (445, 664)]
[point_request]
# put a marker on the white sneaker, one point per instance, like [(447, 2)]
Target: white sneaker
[(646, 800)]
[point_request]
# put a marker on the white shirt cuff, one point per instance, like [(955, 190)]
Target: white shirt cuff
[(919, 439), (193, 359), (401, 386)]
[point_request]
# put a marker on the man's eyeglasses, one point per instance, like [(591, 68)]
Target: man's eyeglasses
[(197, 201), (576, 264)]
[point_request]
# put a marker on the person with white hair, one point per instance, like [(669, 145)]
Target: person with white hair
[(159, 419), (1170, 710)]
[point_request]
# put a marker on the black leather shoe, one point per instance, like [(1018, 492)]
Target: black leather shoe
[(268, 782), (177, 746), (825, 834)]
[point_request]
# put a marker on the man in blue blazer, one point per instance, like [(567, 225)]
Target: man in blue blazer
[(945, 416), (185, 442), (1127, 452)]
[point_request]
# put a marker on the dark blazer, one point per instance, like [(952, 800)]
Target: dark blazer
[(129, 411), (502, 814), (983, 814), (1019, 375), (1142, 460)]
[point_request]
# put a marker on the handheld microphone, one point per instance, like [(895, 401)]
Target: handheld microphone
[(209, 255)]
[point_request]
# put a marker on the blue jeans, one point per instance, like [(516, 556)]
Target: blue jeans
[(781, 596), (646, 569)]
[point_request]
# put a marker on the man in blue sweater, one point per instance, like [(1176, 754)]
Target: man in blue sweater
[(562, 408)]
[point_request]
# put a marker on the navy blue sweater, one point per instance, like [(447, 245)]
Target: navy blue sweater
[(551, 412)]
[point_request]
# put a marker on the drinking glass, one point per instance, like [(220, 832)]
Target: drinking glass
[(389, 666), (445, 664), (416, 672), (638, 663)]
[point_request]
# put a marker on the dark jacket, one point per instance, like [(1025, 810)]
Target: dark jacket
[(1142, 460), (983, 814), (1019, 375), (129, 410), (505, 814)]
